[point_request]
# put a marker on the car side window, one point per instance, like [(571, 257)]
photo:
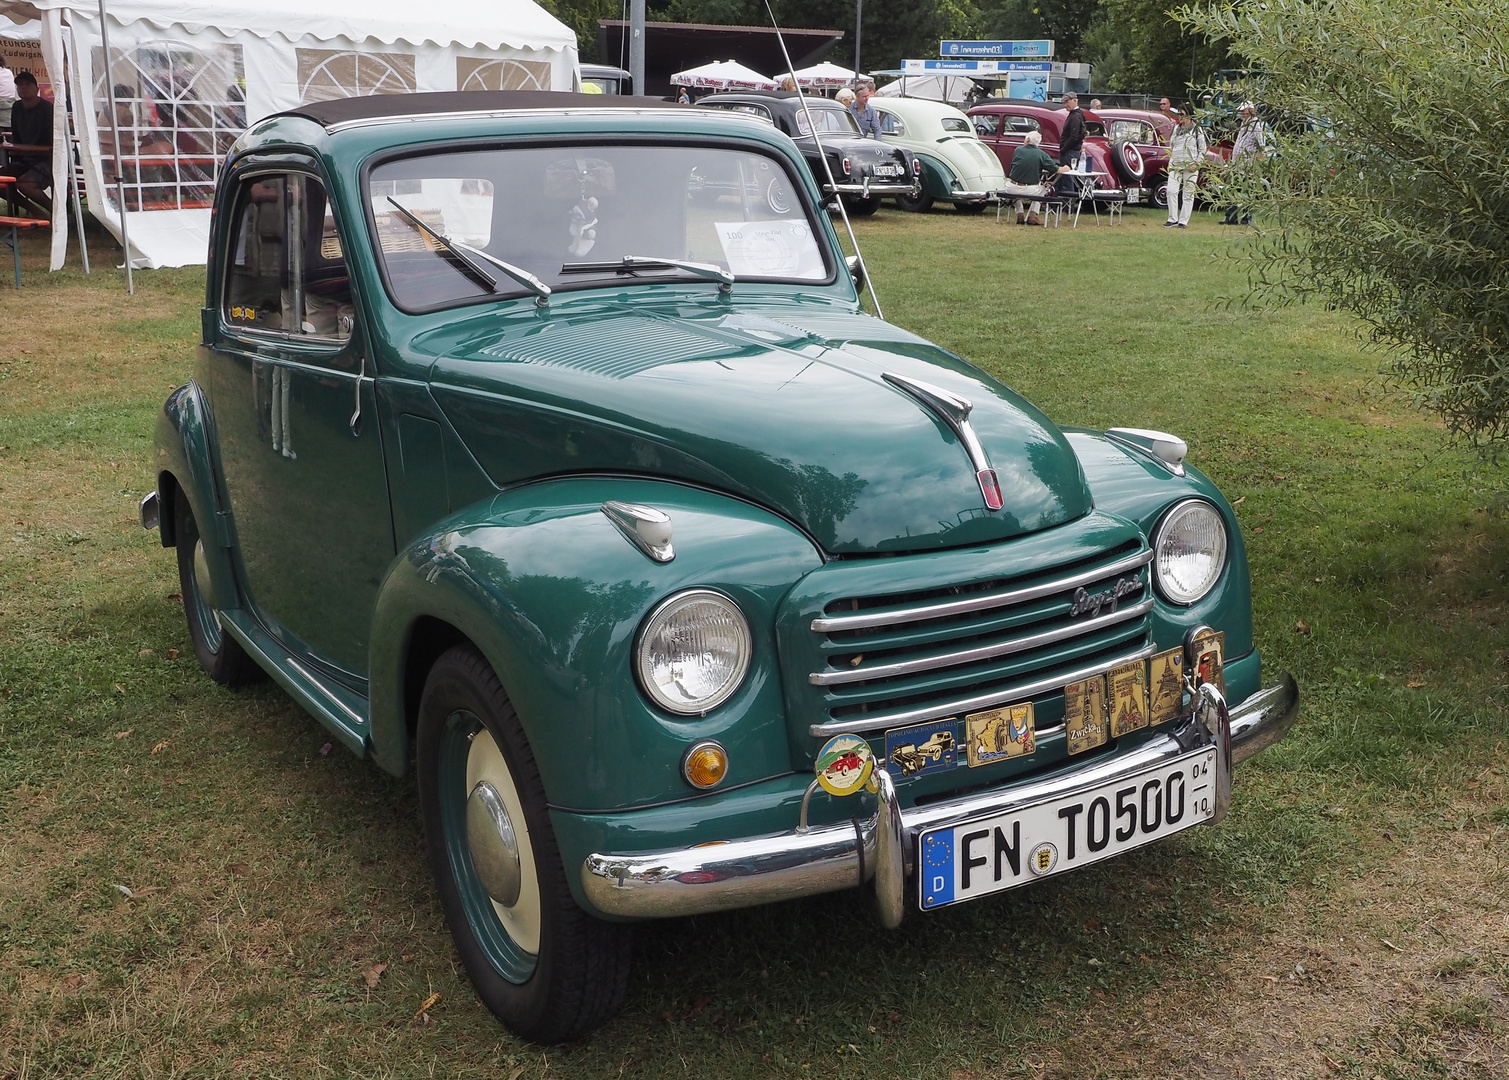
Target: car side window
[(986, 124), (285, 270), (1020, 125), (891, 124)]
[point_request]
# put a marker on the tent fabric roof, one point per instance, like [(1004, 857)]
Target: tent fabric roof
[(481, 24), (376, 106)]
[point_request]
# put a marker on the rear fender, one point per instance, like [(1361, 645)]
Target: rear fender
[(553, 595), (185, 470)]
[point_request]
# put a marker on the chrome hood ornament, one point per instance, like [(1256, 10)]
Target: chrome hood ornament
[(954, 411)]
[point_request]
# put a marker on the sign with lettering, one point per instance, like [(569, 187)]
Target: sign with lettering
[(971, 67), (995, 49)]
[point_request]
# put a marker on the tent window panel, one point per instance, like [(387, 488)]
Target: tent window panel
[(330, 74), (491, 73), (178, 108), (287, 269)]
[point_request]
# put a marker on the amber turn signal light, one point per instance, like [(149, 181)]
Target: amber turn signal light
[(705, 764)]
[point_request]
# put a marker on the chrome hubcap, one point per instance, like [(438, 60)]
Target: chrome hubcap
[(494, 848)]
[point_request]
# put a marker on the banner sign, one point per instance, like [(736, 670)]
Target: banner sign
[(989, 49), (971, 67)]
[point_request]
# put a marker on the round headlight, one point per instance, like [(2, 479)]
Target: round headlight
[(693, 652), (1189, 551)]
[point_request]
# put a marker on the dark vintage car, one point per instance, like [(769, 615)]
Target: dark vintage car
[(863, 170), (1004, 124), (518, 457)]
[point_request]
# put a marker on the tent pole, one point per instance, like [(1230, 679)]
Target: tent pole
[(115, 130), (71, 80)]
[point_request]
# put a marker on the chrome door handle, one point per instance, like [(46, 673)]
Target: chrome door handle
[(356, 414)]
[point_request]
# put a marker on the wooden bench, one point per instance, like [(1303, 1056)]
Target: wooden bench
[(10, 234)]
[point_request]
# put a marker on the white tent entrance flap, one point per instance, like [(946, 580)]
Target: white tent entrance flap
[(189, 77)]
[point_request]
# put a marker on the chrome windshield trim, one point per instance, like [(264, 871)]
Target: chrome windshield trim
[(880, 721), (830, 624), (839, 676)]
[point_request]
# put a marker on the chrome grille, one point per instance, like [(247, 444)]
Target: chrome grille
[(906, 657)]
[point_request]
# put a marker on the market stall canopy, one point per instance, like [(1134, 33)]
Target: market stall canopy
[(190, 76), (953, 89), (723, 75), (824, 76)]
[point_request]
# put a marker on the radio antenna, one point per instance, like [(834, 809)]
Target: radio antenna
[(843, 211)]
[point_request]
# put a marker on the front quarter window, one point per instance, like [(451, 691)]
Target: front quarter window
[(572, 215)]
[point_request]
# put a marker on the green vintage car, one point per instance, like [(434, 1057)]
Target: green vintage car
[(539, 441)]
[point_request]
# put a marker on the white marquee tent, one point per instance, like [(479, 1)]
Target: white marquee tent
[(196, 72)]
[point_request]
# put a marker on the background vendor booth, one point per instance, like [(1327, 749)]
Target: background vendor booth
[(189, 77)]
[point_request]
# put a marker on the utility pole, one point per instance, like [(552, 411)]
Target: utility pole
[(636, 44), (859, 18)]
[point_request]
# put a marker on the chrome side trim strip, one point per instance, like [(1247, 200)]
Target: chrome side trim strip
[(839, 676), (783, 866), (319, 684), (880, 721), (832, 623)]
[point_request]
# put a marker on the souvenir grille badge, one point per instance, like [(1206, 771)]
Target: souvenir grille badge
[(1085, 721), (1166, 687), (844, 764), (1210, 659), (922, 748), (1128, 697), (997, 734)]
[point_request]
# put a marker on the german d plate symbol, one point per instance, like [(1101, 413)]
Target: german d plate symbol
[(844, 764)]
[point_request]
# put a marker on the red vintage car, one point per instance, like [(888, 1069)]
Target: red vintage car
[(1148, 132), (1003, 125)]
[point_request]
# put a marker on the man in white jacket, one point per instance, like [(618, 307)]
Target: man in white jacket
[(1186, 155)]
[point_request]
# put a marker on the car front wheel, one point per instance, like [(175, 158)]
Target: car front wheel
[(545, 967), (221, 655)]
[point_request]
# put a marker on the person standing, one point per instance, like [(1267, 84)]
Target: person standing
[(1250, 145), (1186, 153), (31, 125), (864, 113), (1071, 139), (7, 94)]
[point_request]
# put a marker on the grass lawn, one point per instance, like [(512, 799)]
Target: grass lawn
[(1348, 919)]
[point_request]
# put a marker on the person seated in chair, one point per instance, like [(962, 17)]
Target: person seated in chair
[(31, 125), (1031, 168)]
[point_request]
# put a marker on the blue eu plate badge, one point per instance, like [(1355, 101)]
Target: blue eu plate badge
[(937, 868), (910, 751)]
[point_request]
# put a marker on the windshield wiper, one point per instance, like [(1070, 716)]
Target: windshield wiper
[(724, 278), (463, 253)]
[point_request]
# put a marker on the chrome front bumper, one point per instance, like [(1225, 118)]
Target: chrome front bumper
[(845, 855)]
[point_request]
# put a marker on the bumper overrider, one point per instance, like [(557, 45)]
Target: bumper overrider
[(882, 847)]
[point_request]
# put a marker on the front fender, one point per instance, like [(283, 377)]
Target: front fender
[(185, 470), (1134, 486), (553, 595)]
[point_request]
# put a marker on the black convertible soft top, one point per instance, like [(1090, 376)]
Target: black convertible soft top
[(378, 106)]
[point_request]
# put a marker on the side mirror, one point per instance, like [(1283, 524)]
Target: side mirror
[(856, 271)]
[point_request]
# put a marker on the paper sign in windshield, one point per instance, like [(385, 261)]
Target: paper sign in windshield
[(771, 249)]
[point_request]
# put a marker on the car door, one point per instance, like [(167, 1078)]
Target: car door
[(293, 397)]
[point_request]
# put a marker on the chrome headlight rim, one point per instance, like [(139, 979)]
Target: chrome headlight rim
[(662, 612), (1170, 516)]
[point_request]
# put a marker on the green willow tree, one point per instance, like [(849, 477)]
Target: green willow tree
[(1387, 194)]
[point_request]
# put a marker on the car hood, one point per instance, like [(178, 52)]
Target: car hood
[(784, 405)]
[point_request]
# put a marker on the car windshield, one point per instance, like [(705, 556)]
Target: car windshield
[(1131, 131), (830, 121), (572, 215)]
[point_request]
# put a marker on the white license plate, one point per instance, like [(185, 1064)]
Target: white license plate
[(1134, 196), (888, 170), (988, 855)]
